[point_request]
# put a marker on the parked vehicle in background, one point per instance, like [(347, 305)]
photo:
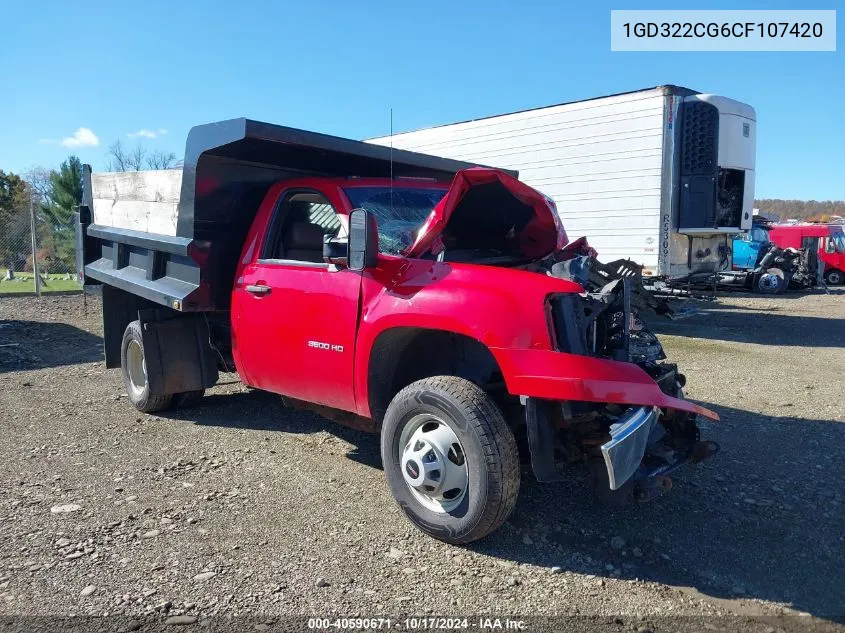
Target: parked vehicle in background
[(662, 176), (430, 301), (746, 247), (759, 264), (826, 241)]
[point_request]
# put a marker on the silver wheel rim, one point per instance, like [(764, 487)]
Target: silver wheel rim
[(433, 463), (769, 281), (834, 278), (136, 367)]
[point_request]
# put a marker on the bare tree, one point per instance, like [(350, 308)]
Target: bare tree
[(161, 160), (118, 158), (136, 158), (40, 181), (121, 159)]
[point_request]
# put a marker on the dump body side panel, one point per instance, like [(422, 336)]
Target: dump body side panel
[(174, 236)]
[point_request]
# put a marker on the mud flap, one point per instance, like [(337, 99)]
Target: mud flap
[(177, 354), (541, 441)]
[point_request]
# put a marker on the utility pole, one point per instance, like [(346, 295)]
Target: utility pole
[(34, 244)]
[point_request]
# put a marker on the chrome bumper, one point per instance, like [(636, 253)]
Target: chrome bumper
[(629, 440)]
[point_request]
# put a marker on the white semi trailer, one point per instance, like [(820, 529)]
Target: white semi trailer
[(662, 176)]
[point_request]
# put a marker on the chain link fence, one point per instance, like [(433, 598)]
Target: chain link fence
[(34, 242)]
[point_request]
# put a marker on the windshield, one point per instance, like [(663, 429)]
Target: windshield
[(759, 234), (838, 238), (399, 212)]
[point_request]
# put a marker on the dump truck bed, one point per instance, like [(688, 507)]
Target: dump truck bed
[(173, 236)]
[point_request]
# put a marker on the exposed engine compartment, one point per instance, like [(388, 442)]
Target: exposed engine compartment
[(799, 266), (604, 321)]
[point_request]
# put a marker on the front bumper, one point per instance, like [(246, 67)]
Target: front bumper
[(624, 453), (551, 375)]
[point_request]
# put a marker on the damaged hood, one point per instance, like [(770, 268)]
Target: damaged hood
[(489, 210)]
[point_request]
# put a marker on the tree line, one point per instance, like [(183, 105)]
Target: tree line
[(53, 196), (812, 210)]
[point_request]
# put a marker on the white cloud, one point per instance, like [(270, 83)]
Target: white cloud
[(83, 137), (146, 133), (142, 133)]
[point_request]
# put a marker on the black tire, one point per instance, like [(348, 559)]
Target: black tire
[(771, 282), (139, 394), (490, 450), (834, 277), (187, 398)]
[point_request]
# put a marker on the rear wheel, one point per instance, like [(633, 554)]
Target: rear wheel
[(450, 459), (134, 366), (771, 282), (187, 399), (834, 277)]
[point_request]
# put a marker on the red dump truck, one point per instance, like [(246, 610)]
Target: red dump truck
[(434, 302)]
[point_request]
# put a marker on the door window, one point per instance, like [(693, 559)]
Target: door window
[(810, 242), (300, 223), (759, 234)]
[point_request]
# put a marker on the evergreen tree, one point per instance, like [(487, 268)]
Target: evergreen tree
[(65, 192)]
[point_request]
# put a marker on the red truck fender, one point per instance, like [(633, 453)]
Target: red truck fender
[(505, 310), (554, 375)]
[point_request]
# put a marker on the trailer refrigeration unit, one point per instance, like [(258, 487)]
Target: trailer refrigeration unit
[(662, 176)]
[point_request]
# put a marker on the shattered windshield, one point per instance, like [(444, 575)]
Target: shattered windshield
[(399, 212)]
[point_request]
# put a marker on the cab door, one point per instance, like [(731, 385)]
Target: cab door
[(295, 317)]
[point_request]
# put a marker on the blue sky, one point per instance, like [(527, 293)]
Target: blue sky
[(338, 67)]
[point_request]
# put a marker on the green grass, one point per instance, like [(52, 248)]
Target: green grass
[(24, 283)]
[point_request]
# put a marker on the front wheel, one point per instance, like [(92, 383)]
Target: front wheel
[(772, 282), (833, 277), (450, 459)]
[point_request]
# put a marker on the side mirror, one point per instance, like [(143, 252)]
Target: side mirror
[(363, 239), (336, 250)]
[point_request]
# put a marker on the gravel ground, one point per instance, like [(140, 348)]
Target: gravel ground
[(240, 506)]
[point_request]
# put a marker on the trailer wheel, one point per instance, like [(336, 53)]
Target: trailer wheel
[(450, 459), (771, 282), (834, 277), (134, 367)]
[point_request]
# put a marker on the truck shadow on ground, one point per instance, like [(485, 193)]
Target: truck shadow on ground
[(264, 411), (27, 345), (762, 327), (762, 519)]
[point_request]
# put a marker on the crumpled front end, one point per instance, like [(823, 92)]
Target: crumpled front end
[(605, 394)]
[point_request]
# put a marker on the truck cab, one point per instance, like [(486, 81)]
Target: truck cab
[(825, 241), (746, 247), (287, 291)]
